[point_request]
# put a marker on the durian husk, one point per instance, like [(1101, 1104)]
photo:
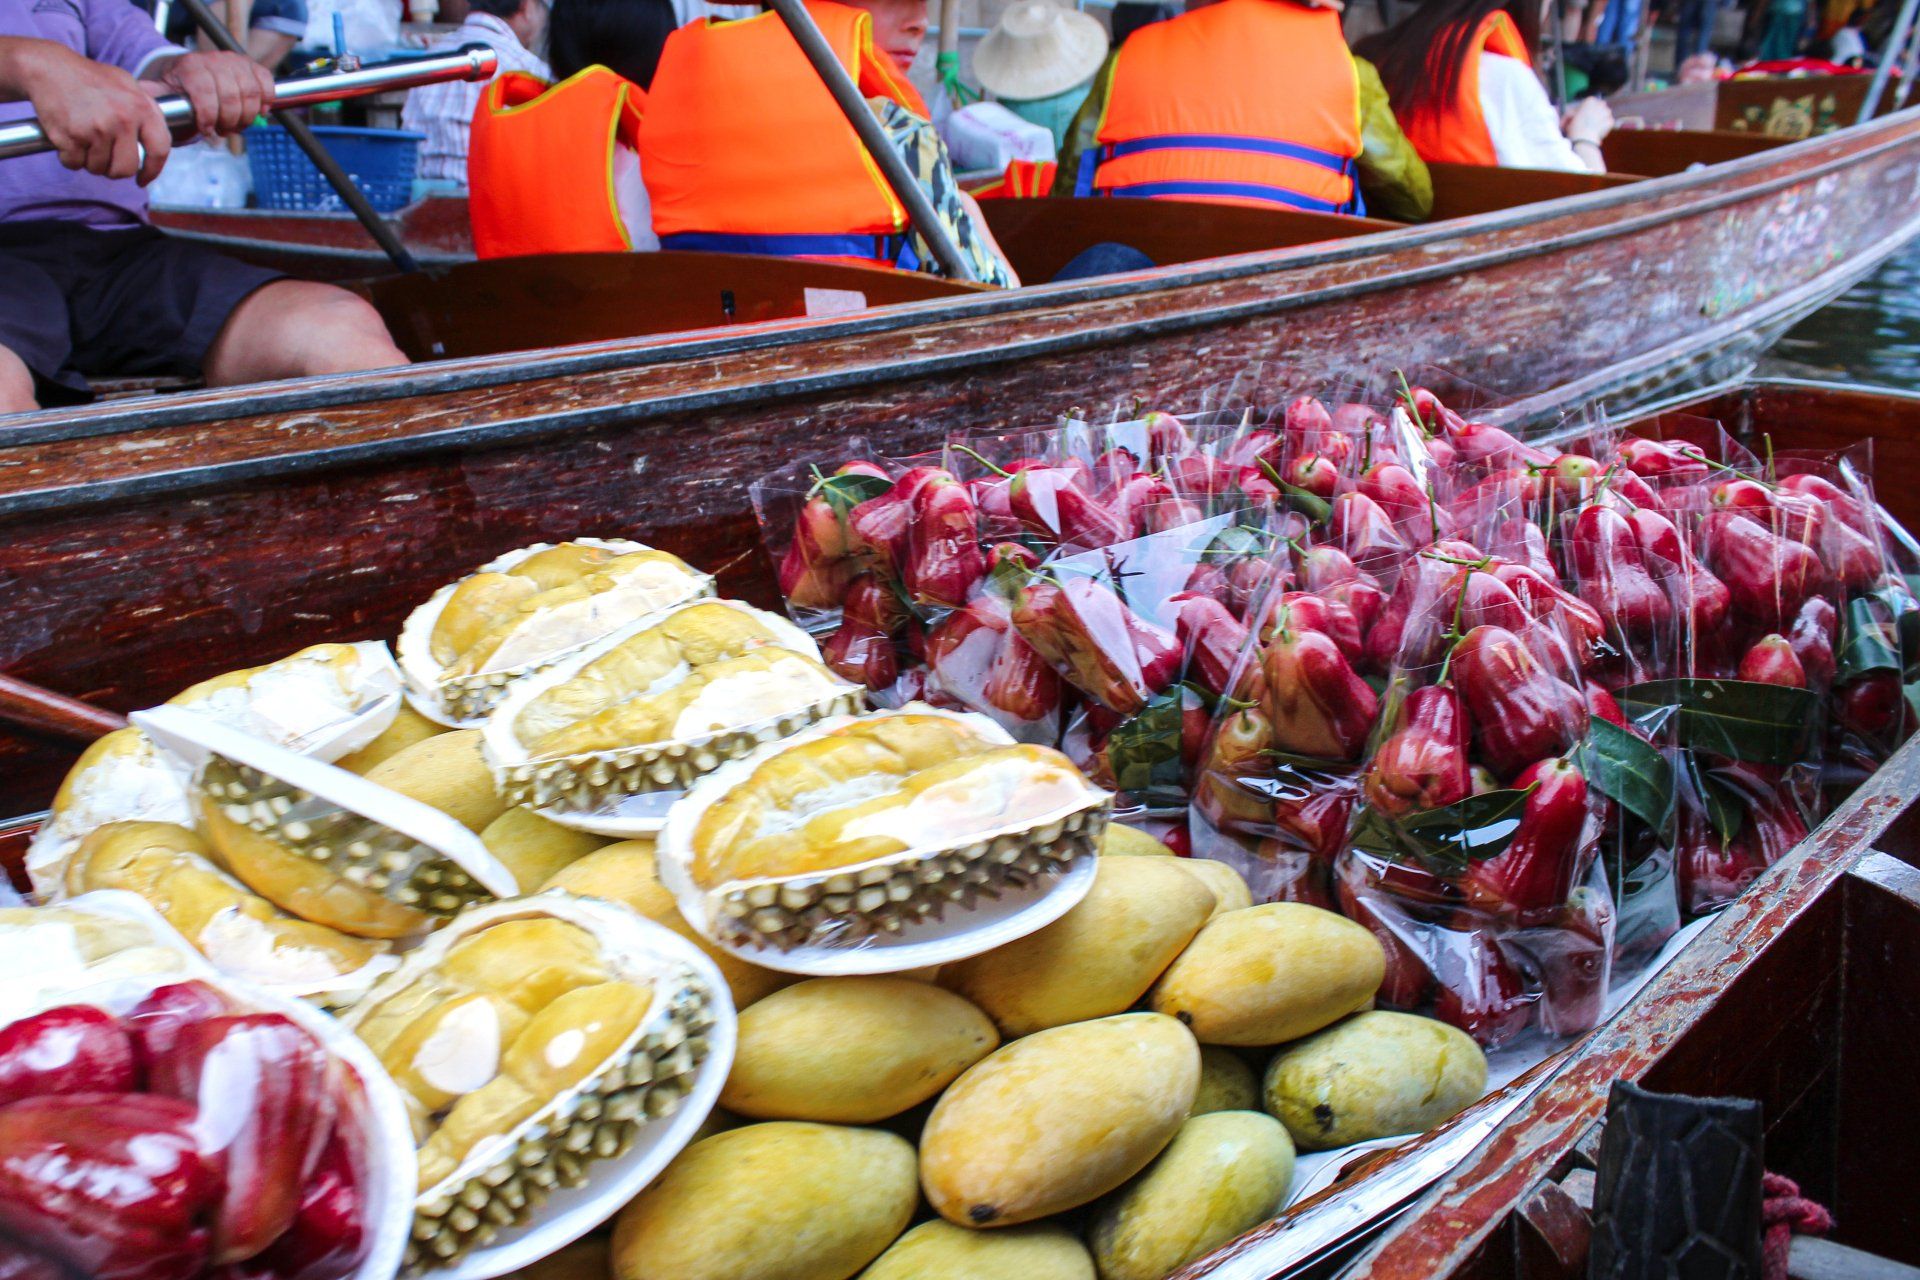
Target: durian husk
[(463, 701), (583, 782), (504, 1179), (322, 862), (879, 898)]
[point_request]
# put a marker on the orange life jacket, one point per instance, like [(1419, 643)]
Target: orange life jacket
[(1252, 102), (1022, 178), (1458, 133), (540, 164), (745, 150)]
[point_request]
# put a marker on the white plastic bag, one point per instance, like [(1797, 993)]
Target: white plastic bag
[(988, 137), (203, 176), (373, 26)]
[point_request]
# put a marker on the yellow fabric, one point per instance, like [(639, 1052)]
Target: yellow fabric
[(540, 164)]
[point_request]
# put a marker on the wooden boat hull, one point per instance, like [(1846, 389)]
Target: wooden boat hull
[(147, 545)]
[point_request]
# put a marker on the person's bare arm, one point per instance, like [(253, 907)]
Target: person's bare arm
[(97, 117)]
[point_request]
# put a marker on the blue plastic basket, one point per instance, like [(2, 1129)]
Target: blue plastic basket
[(381, 163)]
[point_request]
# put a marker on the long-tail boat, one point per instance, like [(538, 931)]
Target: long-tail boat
[(1796, 994), (1529, 279)]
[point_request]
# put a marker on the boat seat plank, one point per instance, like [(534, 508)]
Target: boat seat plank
[(1041, 235), (519, 304), (1463, 190), (1655, 153)]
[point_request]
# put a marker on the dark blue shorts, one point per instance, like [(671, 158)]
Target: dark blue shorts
[(78, 301)]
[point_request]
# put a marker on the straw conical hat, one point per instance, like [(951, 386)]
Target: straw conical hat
[(1038, 49)]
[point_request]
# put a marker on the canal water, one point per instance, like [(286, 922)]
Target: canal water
[(1869, 334)]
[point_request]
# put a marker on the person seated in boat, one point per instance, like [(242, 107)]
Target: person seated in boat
[(555, 167), (87, 285), (746, 151), (444, 112), (1248, 102), (273, 27), (1460, 73)]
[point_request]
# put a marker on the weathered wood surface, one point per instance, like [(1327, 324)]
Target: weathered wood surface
[(146, 545)]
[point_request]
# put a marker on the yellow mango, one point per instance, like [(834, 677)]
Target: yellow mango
[(445, 772), (938, 1250), (1119, 841), (852, 1050), (1057, 1119), (1227, 1083), (1223, 1174), (1098, 958), (1230, 892), (1375, 1075), (1267, 974), (534, 848), (626, 873), (407, 728), (777, 1201)]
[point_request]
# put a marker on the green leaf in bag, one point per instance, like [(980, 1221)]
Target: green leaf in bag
[(1744, 719), (1867, 641), (1726, 811), (1628, 770), (1448, 838), (844, 493), (1145, 753)]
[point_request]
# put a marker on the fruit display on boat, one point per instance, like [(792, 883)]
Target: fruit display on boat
[(654, 706), (1237, 784), (527, 609), (862, 832)]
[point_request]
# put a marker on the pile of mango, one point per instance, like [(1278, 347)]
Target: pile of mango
[(1116, 1095)]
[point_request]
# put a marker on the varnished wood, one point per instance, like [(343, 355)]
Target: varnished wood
[(1656, 152), (38, 710), (1463, 190), (517, 304)]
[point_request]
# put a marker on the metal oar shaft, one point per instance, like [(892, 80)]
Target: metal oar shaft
[(826, 64), (1896, 43), (475, 62)]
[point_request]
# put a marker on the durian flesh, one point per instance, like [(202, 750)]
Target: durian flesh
[(526, 1052), (872, 789), (552, 602), (239, 931), (314, 859)]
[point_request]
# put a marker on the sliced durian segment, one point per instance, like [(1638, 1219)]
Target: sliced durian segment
[(240, 932), (659, 704), (532, 1038), (527, 609), (321, 843), (325, 701), (863, 827), (270, 833)]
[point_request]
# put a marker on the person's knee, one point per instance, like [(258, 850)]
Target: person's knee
[(293, 329), (16, 385)]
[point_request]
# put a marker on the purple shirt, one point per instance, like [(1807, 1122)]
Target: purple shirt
[(40, 187)]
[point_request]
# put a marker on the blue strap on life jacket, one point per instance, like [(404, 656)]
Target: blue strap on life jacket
[(1093, 158), (893, 248)]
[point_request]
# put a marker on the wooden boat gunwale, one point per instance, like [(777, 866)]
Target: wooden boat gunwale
[(1627, 374), (1854, 146)]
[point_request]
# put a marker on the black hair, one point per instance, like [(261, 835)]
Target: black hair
[(624, 36), (498, 8), (1420, 59)]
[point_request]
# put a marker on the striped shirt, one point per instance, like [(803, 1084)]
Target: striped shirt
[(444, 112)]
